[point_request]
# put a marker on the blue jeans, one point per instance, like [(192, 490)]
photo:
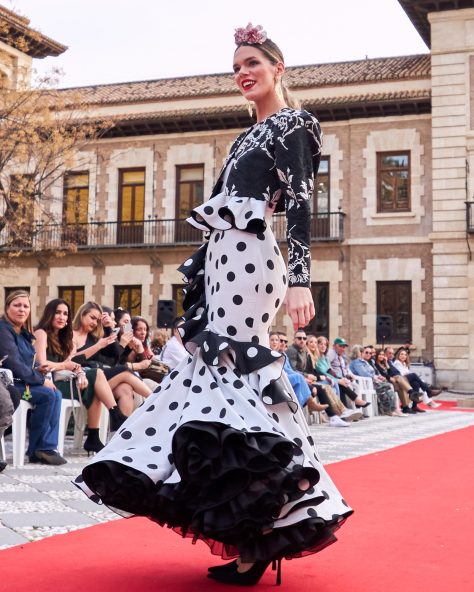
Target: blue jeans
[(44, 422)]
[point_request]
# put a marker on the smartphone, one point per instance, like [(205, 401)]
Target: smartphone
[(127, 327), (116, 330)]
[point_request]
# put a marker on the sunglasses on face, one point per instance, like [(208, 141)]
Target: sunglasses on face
[(283, 340), (303, 338)]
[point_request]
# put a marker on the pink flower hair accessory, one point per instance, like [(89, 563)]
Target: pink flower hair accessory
[(250, 34)]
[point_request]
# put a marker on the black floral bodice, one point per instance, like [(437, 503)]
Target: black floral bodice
[(271, 164)]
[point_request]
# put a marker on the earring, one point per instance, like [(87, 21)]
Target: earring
[(250, 108)]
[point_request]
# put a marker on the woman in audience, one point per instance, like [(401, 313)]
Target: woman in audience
[(400, 383), (402, 364), (54, 350), (338, 414), (303, 391), (16, 342), (158, 340), (141, 355), (360, 365), (96, 346)]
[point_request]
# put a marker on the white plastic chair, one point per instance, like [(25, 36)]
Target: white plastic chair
[(365, 390), (19, 432)]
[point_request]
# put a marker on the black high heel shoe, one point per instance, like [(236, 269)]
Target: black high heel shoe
[(223, 567), (366, 404), (93, 443), (117, 418), (252, 576)]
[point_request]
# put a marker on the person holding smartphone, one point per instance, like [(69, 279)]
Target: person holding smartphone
[(98, 346)]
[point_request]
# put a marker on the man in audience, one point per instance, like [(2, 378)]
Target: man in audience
[(340, 371), (283, 343), (297, 353)]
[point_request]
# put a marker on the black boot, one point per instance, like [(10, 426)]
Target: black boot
[(93, 443), (116, 418), (3, 465)]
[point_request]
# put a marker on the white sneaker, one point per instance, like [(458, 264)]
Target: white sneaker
[(433, 404), (336, 422), (351, 415), (398, 413)]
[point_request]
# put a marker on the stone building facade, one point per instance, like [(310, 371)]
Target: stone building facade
[(390, 225)]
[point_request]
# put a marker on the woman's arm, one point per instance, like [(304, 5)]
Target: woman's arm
[(297, 154), (14, 362)]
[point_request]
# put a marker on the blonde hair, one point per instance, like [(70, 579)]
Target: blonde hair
[(273, 53), (81, 312), (13, 296)]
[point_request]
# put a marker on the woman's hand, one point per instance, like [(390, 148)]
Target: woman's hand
[(49, 384), (82, 381), (73, 366), (126, 338), (299, 306), (107, 320), (136, 345), (107, 340)]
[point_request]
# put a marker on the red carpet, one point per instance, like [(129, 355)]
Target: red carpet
[(413, 530)]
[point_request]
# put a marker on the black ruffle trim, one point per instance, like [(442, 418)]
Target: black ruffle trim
[(233, 487)]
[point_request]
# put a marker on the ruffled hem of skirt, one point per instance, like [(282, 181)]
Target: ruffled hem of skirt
[(233, 487)]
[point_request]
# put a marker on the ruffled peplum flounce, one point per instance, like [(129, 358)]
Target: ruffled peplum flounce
[(221, 452)]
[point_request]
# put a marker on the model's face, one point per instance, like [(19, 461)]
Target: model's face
[(18, 311), (140, 331), (274, 342), (254, 74), (91, 320), (60, 317), (312, 344)]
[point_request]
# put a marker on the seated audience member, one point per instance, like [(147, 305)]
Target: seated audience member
[(16, 342), (338, 368), (174, 351), (300, 387), (402, 364), (283, 343), (158, 339), (95, 345), (54, 350), (360, 366), (400, 383), (6, 414), (338, 415), (296, 353), (141, 355), (414, 395)]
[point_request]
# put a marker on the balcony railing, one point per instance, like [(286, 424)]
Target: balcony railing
[(469, 217), (146, 233)]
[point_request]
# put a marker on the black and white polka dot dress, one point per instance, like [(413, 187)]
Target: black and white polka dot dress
[(222, 452)]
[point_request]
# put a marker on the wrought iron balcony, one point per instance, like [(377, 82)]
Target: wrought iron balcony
[(144, 233), (469, 217)]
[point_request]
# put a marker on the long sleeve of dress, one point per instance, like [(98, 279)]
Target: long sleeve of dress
[(297, 155)]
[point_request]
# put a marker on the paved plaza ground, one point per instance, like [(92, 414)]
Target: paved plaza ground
[(37, 501)]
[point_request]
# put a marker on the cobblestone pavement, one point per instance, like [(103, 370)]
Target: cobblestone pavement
[(37, 501)]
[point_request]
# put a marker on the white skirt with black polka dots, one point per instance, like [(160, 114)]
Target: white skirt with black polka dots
[(221, 451)]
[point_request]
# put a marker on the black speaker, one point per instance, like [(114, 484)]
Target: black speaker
[(166, 313), (384, 328)]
